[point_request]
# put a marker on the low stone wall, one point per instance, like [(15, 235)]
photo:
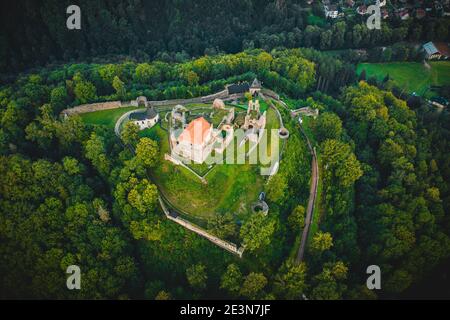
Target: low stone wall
[(122, 118), (234, 96), (231, 247), (270, 94), (307, 111), (209, 98), (85, 108)]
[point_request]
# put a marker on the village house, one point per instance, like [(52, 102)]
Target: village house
[(362, 9), (331, 11), (420, 13), (403, 13), (243, 87), (446, 12), (436, 50)]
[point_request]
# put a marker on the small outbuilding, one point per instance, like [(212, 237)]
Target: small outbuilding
[(255, 87), (145, 119)]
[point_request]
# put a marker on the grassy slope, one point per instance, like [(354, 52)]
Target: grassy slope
[(412, 76), (315, 20), (230, 188), (105, 117), (314, 227)]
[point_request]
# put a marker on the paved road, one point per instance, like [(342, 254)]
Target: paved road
[(311, 201)]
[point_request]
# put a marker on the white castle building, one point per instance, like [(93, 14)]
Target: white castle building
[(195, 142)]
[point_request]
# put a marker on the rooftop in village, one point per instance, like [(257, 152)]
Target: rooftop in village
[(436, 47)]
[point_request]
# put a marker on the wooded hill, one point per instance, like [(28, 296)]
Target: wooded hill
[(34, 32)]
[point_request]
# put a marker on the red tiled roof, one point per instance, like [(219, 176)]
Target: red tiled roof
[(420, 13), (361, 9), (442, 48), (196, 131)]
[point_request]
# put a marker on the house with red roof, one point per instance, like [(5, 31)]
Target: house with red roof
[(362, 9)]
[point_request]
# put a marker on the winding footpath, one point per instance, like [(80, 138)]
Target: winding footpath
[(312, 192), (311, 201)]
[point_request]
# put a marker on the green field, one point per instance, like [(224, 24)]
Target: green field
[(411, 76), (105, 117), (315, 20)]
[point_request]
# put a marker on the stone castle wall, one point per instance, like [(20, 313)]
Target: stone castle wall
[(85, 108)]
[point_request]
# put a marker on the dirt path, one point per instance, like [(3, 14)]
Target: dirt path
[(311, 201), (312, 194)]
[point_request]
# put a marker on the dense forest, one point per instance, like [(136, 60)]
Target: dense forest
[(34, 32), (72, 194), (75, 193)]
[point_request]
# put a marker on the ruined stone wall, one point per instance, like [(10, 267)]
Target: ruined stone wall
[(231, 247), (85, 108), (270, 94)]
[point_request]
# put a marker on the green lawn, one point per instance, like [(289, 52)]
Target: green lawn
[(105, 117), (243, 104), (412, 76), (315, 20), (294, 104), (272, 122), (263, 106)]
